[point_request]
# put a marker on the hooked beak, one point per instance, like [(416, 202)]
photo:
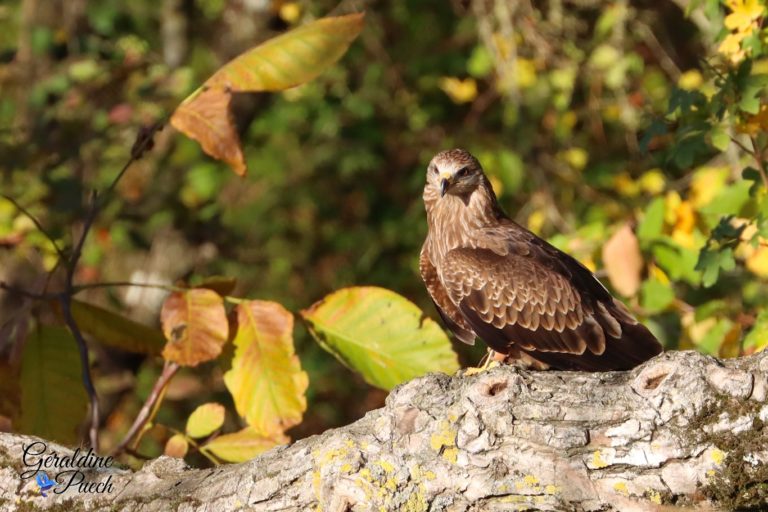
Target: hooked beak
[(444, 184)]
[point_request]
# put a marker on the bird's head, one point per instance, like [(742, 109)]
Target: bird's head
[(454, 172)]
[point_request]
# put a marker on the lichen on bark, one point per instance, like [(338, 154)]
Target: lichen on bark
[(683, 430)]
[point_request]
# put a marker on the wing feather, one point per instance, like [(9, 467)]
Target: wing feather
[(445, 307), (516, 291)]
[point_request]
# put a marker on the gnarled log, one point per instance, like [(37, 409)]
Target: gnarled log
[(683, 430)]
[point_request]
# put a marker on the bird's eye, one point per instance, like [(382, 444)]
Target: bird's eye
[(464, 171), (434, 169)]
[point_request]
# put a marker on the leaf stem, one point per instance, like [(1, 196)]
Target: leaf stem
[(149, 408), (128, 284)]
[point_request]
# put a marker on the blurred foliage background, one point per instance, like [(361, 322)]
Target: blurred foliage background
[(553, 97)]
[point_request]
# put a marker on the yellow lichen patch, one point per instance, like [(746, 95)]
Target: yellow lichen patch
[(445, 436), (416, 502), (430, 475), (711, 472), (346, 468), (551, 489), (654, 496), (717, 456), (530, 480), (390, 484), (350, 443), (386, 466), (332, 454), (451, 455), (621, 488), (317, 482), (598, 461)]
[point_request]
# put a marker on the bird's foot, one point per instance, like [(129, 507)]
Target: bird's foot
[(490, 360)]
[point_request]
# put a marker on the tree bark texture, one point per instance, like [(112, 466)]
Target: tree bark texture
[(683, 431)]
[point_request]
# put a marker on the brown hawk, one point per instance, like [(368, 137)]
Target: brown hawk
[(492, 278)]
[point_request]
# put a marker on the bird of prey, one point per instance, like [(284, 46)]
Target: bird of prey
[(491, 278)]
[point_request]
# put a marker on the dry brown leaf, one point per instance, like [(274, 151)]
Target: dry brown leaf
[(195, 325), (623, 261), (206, 118)]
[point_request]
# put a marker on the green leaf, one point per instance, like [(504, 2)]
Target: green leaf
[(711, 261), (757, 338), (53, 400), (678, 262), (205, 420), (266, 380), (115, 330), (753, 175), (656, 296), (380, 334), (713, 339), (243, 445), (651, 225), (657, 128), (480, 63), (729, 201), (719, 138)]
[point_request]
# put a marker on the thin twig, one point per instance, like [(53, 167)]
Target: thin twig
[(144, 141), (93, 430), (38, 225), (169, 370), (25, 293), (742, 146)]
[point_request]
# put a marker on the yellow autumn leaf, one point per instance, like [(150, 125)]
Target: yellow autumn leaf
[(744, 13), (671, 202), (266, 380), (652, 181), (503, 45), (290, 12), (757, 262), (205, 420), (754, 124), (460, 91), (658, 274), (577, 158), (731, 47), (176, 446), (496, 185), (625, 185), (243, 445), (706, 183), (536, 221), (525, 73), (690, 80)]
